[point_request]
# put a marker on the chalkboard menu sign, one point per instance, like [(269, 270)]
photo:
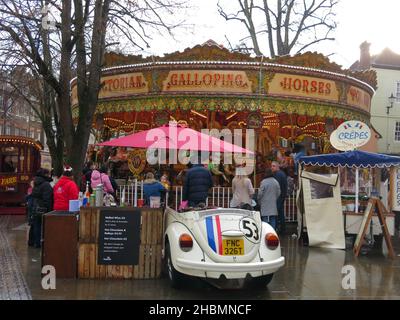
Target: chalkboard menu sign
[(119, 237)]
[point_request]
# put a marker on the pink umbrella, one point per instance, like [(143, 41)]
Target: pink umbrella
[(175, 137)]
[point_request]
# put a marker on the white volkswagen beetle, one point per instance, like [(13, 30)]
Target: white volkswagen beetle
[(220, 244)]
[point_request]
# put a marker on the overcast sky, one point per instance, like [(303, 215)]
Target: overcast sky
[(375, 21)]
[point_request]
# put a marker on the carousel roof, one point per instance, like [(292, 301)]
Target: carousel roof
[(212, 53)]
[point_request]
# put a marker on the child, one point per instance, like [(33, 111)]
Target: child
[(165, 181)]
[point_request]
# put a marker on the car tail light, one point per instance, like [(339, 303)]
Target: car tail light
[(185, 242), (272, 241)]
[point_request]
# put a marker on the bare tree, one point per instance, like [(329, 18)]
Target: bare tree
[(283, 25), (74, 45), (7, 102), (40, 97)]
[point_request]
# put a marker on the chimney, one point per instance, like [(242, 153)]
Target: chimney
[(365, 57)]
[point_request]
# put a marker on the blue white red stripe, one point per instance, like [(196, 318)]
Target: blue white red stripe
[(214, 236)]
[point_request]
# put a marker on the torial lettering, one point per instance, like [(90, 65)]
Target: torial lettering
[(123, 83)]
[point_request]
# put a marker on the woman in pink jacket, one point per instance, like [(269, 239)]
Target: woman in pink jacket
[(101, 177)]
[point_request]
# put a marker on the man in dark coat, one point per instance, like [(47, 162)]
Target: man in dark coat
[(198, 181), (280, 176), (42, 196)]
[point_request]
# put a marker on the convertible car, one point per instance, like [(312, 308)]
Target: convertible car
[(220, 244)]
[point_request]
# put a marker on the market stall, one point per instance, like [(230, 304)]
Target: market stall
[(349, 205), (104, 243)]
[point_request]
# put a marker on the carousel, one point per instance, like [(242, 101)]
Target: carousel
[(287, 101)]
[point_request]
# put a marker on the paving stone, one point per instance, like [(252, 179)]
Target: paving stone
[(12, 282)]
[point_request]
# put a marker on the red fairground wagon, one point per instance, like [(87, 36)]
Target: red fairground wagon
[(19, 161)]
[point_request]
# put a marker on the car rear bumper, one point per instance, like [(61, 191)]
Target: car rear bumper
[(265, 267)]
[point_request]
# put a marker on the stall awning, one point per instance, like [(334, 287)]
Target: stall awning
[(352, 159)]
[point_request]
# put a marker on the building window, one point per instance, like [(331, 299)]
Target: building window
[(16, 131), (397, 131), (8, 130), (398, 91), (23, 132)]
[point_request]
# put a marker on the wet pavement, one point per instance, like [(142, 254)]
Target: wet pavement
[(309, 273)]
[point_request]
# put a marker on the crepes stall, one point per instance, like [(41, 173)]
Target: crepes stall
[(322, 207)]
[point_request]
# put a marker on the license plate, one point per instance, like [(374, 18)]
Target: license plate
[(232, 247)]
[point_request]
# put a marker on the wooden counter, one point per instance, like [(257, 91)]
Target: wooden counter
[(60, 239), (150, 245)]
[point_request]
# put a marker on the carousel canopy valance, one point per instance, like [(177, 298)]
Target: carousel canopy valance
[(352, 159)]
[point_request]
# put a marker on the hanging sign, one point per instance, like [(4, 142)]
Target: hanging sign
[(350, 135)]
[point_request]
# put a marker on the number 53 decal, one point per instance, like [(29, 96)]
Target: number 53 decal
[(250, 229)]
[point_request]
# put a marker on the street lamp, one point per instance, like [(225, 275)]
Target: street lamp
[(392, 99)]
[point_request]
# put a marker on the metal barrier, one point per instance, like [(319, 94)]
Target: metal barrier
[(218, 196)]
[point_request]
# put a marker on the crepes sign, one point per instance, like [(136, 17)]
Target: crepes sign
[(350, 135)]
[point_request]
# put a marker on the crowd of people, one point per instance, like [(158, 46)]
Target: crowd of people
[(46, 195), (269, 199)]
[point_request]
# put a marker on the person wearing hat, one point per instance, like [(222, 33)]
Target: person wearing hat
[(152, 188), (65, 189)]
